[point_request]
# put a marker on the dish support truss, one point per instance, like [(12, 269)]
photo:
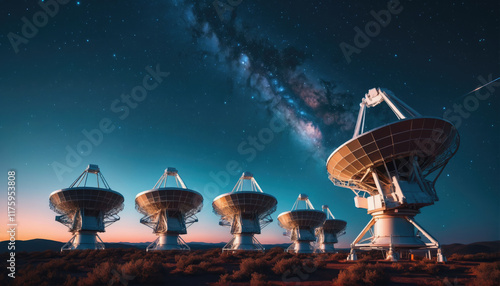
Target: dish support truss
[(92, 169), (303, 240), (327, 237), (380, 227), (303, 198), (166, 241), (170, 172), (84, 225), (374, 97), (327, 240), (244, 227), (168, 226), (247, 177)]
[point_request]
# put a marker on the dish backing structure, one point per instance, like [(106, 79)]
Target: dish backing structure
[(300, 225), (169, 211), (86, 210), (329, 232), (247, 210), (392, 170)]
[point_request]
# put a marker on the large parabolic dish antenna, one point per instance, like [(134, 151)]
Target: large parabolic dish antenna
[(86, 210), (329, 232), (169, 211), (300, 224), (392, 170), (246, 209)]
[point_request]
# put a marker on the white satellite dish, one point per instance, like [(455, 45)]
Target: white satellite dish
[(392, 170), (246, 209), (300, 224), (86, 210), (169, 211)]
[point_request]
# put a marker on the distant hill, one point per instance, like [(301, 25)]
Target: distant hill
[(196, 245), (44, 244), (473, 248)]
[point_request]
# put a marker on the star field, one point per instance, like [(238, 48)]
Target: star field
[(257, 66)]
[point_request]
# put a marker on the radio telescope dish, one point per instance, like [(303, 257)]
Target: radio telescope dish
[(392, 170), (247, 210), (169, 211), (86, 210), (300, 225), (329, 232)]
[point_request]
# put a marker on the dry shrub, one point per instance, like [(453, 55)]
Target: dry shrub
[(432, 268), (212, 253), (142, 270), (194, 269), (28, 276), (216, 270), (101, 274), (273, 252), (48, 273), (425, 266), (401, 267), (70, 281), (287, 264), (371, 255), (53, 264), (487, 274), (319, 261), (273, 259), (193, 264), (45, 254), (437, 282), (249, 266), (71, 255), (184, 261), (105, 254), (225, 258), (249, 254), (258, 279), (454, 266), (224, 279), (155, 256), (361, 274), (339, 256), (418, 267)]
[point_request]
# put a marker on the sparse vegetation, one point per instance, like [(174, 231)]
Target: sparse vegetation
[(480, 257), (137, 267), (339, 256), (224, 280), (258, 279), (487, 274), (287, 264), (362, 274)]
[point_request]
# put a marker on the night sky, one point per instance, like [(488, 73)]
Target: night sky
[(247, 85)]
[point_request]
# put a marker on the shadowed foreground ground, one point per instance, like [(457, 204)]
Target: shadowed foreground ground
[(274, 267)]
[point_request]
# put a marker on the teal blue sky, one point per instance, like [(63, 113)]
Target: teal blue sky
[(259, 67)]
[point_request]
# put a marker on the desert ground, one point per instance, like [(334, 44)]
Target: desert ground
[(274, 267)]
